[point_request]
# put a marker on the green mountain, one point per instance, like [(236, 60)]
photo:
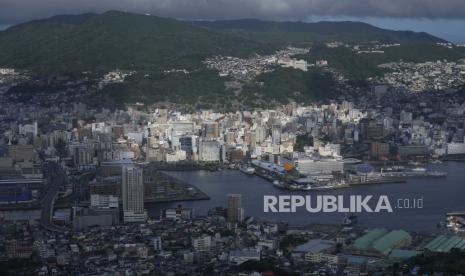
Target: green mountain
[(346, 31), (132, 41), (149, 45), (115, 40)]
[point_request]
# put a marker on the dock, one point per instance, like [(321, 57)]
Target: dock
[(378, 181)]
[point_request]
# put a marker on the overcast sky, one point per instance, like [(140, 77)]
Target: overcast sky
[(419, 14)]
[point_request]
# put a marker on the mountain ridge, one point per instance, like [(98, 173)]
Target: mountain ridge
[(115, 39), (321, 27)]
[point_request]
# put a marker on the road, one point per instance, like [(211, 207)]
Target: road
[(56, 178)]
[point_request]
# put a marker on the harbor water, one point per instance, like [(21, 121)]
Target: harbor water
[(439, 195)]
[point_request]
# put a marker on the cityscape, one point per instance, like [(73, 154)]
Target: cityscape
[(229, 147)]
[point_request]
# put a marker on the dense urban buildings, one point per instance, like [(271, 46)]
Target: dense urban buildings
[(112, 162)]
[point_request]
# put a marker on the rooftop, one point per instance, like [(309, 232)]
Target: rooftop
[(314, 246), (443, 244)]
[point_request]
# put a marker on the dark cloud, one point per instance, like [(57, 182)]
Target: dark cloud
[(21, 10)]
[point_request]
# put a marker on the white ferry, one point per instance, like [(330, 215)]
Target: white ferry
[(247, 170)]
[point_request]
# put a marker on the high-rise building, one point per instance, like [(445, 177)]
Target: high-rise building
[(235, 212), (249, 138), (133, 194), (379, 149), (229, 137), (157, 244), (371, 129), (186, 144), (21, 153), (209, 151), (202, 243), (210, 130), (406, 117), (260, 134), (82, 155), (104, 201), (276, 134)]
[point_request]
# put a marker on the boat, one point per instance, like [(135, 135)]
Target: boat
[(437, 174), (269, 167), (351, 161), (349, 220), (323, 188), (247, 170), (437, 161), (278, 184), (393, 169), (295, 187), (306, 188)]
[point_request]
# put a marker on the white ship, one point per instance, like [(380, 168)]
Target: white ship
[(351, 161), (420, 170), (295, 187), (278, 184), (323, 188), (437, 174), (247, 170)]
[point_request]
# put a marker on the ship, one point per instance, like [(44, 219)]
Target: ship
[(419, 170), (269, 167), (295, 187), (278, 184), (323, 188), (351, 161), (437, 174), (247, 170), (414, 172), (393, 169)]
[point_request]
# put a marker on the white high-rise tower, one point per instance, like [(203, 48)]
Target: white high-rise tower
[(133, 194)]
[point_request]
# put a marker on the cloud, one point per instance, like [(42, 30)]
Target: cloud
[(12, 11)]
